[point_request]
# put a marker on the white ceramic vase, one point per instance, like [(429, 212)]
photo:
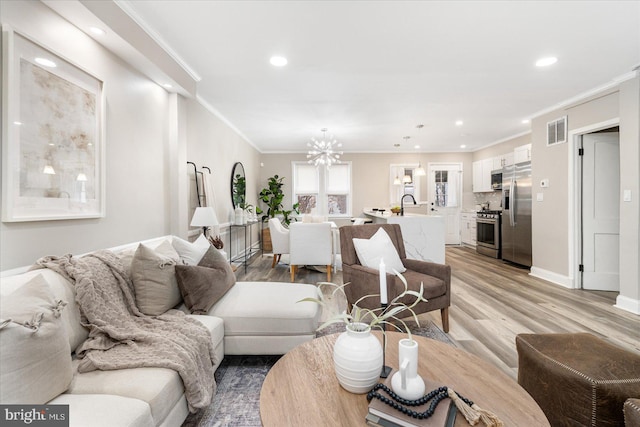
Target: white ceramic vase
[(239, 220), (357, 358), (406, 383)]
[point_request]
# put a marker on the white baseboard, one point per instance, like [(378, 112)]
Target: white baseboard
[(550, 276), (628, 304)]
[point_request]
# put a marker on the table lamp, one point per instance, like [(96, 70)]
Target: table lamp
[(204, 217)]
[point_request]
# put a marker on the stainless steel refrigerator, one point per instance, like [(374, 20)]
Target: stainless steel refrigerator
[(516, 214)]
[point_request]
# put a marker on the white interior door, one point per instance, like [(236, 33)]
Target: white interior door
[(445, 197), (601, 211)]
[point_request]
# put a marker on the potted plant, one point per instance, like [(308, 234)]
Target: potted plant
[(272, 196)]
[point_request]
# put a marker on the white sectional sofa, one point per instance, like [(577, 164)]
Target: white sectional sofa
[(251, 318)]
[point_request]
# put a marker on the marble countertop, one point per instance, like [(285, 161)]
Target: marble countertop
[(388, 214)]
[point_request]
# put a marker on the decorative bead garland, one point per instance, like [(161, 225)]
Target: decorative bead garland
[(397, 402)]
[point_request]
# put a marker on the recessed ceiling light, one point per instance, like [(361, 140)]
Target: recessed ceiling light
[(416, 146), (17, 123), (278, 61), (97, 31), (459, 122), (46, 62), (525, 121), (167, 86), (463, 146), (545, 62)]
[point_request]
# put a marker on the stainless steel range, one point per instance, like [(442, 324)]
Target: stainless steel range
[(488, 234)]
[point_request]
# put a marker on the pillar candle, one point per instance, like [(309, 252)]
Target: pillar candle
[(383, 283)]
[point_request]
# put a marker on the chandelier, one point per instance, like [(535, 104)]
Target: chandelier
[(322, 152)]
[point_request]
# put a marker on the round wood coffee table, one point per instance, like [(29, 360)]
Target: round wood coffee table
[(302, 389)]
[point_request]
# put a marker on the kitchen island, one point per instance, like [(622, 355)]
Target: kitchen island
[(423, 235)]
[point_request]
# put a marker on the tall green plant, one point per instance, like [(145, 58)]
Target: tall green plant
[(272, 196)]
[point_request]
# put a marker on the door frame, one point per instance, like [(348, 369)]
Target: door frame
[(575, 197)]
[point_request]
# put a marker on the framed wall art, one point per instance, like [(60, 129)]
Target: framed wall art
[(52, 137)]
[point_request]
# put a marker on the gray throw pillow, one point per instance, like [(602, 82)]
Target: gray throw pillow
[(204, 284), (154, 278)]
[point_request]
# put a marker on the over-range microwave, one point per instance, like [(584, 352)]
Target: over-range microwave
[(496, 180)]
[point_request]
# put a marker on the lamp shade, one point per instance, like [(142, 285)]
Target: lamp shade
[(420, 171), (406, 179), (204, 217)]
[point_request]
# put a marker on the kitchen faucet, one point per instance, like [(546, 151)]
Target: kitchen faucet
[(402, 203)]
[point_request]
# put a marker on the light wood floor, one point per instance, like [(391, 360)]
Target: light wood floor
[(493, 301)]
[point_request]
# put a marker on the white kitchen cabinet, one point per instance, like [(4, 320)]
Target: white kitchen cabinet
[(482, 175), (468, 229), (503, 160), (522, 154), (497, 162), (507, 159), (477, 176)]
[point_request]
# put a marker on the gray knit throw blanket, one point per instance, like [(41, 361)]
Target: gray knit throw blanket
[(122, 337)]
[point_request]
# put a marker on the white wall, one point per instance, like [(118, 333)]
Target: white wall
[(629, 298), (150, 135), (136, 149), (214, 144), (550, 218)]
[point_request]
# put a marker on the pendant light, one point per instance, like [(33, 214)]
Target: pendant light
[(419, 171)]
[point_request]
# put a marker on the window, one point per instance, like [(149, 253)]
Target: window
[(322, 191), (442, 188), (403, 180)]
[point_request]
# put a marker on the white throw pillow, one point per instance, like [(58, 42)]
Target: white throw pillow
[(379, 246), (35, 361), (154, 278), (191, 253)]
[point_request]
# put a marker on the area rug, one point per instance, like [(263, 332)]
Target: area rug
[(239, 379)]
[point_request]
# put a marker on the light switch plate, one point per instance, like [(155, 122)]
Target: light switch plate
[(539, 197), (626, 195)]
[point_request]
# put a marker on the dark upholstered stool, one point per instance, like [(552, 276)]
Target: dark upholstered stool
[(577, 379)]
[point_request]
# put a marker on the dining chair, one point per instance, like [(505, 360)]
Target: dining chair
[(279, 240), (310, 244)]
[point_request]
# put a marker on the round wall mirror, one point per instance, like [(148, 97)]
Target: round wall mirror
[(238, 186)]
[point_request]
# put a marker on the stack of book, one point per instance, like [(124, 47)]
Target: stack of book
[(382, 415)]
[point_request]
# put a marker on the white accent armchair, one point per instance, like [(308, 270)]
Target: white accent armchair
[(310, 244), (279, 240)]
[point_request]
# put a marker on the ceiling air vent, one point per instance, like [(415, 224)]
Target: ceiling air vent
[(557, 131)]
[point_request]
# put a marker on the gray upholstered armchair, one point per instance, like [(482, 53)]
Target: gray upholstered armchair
[(362, 280)]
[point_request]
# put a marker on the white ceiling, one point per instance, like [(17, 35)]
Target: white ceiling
[(371, 71)]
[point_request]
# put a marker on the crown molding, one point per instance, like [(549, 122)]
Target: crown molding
[(219, 115), (126, 8), (612, 84)]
